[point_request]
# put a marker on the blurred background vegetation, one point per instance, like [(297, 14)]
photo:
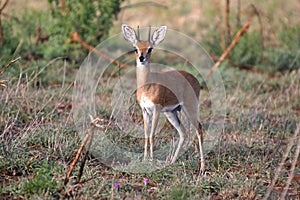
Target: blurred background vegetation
[(41, 30)]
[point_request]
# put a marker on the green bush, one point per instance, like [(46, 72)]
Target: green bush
[(247, 51), (10, 42), (91, 19), (282, 59), (285, 56)]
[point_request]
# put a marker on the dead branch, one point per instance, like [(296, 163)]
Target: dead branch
[(3, 69), (227, 24), (252, 11), (75, 38), (282, 163), (79, 151), (293, 167), (236, 38), (86, 143), (39, 37), (3, 5), (89, 143), (2, 83), (1, 30)]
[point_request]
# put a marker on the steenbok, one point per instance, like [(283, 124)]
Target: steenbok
[(168, 92)]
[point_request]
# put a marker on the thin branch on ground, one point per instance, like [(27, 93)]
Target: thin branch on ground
[(281, 164), (294, 162), (88, 145), (72, 166), (85, 144)]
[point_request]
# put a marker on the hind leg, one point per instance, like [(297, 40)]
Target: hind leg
[(192, 114), (200, 141), (174, 120)]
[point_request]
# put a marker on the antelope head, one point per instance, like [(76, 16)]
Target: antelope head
[(143, 48)]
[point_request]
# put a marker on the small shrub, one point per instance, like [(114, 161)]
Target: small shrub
[(42, 181), (282, 59), (247, 51)]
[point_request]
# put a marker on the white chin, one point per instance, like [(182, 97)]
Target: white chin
[(143, 63)]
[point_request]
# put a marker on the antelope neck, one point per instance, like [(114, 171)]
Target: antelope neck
[(142, 73)]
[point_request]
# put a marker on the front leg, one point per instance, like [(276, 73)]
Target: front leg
[(147, 125), (155, 117)]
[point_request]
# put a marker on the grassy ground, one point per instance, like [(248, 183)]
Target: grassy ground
[(257, 147), (39, 140)]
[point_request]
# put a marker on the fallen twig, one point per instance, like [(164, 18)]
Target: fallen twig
[(89, 143), (86, 143), (85, 139), (236, 38), (281, 164)]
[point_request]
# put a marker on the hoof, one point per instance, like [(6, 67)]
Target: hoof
[(203, 171)]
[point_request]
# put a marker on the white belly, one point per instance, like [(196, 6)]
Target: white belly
[(171, 107), (148, 105)]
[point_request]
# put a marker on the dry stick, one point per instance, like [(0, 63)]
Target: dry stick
[(291, 174), (227, 13), (2, 70), (75, 37), (281, 164), (89, 143), (1, 30), (236, 38), (261, 30), (76, 159), (9, 64), (87, 139), (4, 5)]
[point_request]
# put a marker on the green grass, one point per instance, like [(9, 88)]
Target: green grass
[(39, 140)]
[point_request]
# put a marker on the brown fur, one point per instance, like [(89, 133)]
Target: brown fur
[(163, 94)]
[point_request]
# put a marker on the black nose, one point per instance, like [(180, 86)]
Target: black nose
[(141, 58)]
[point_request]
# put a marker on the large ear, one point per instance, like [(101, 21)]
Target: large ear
[(159, 35), (129, 33)]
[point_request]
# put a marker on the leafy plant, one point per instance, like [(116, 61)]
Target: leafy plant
[(42, 181), (92, 20), (249, 52), (46, 34)]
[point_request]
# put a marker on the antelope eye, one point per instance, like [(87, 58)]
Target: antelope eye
[(135, 50), (150, 50)]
